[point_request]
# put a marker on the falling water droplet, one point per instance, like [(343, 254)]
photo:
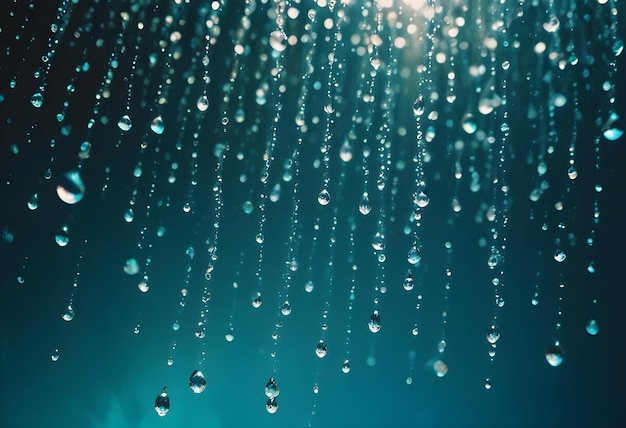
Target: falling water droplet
[(345, 367), (554, 354), (71, 188), (271, 405), (68, 315), (374, 322), (125, 123), (321, 349), (36, 100), (157, 126), (364, 206), (162, 403), (203, 103), (271, 388), (592, 327), (197, 382), (418, 106), (324, 197), (493, 334), (414, 256)]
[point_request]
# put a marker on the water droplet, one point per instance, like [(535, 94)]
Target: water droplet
[(203, 103), (55, 356), (271, 405), (71, 188), (374, 322), (440, 368), (125, 123), (197, 382), (618, 47), (418, 106), (560, 256), (308, 287), (157, 126), (552, 25), (162, 403), (487, 384), (421, 199), (414, 256), (286, 308), (247, 207), (321, 349), (493, 334), (364, 206), (592, 327), (36, 100), (324, 197), (468, 123), (554, 355), (33, 202), (408, 282), (256, 301), (345, 367), (131, 267), (129, 215), (143, 286), (378, 242), (271, 388), (613, 128)]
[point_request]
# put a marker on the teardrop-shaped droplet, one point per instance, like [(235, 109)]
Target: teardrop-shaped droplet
[(414, 256), (68, 315), (157, 126), (320, 349), (554, 355), (324, 197), (36, 100), (271, 388), (197, 382), (418, 106), (162, 403), (271, 405), (374, 322), (364, 206), (203, 103)]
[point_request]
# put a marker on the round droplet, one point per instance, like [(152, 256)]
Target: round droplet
[(592, 327), (493, 334), (55, 356), (131, 267), (62, 238), (345, 367), (440, 368), (203, 103), (157, 126), (421, 199), (129, 215), (271, 405), (143, 286), (229, 336), (125, 123), (36, 100), (162, 403), (197, 382), (324, 197), (487, 384), (68, 315), (308, 287), (414, 256), (613, 128), (256, 301), (559, 256), (286, 308), (247, 207), (554, 355), (321, 349), (374, 322), (71, 188), (552, 25), (271, 388)]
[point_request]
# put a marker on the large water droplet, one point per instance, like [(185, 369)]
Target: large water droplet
[(125, 123), (592, 327), (162, 403), (321, 349), (414, 256), (324, 197), (271, 388), (157, 126), (271, 405), (71, 188), (374, 322), (36, 100), (493, 334), (418, 106), (197, 382), (364, 206), (203, 103), (554, 355), (613, 128), (68, 315)]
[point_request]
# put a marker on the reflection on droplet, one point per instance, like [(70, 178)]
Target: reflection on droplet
[(345, 367), (71, 188), (554, 354), (203, 103), (68, 315), (560, 256), (157, 126), (408, 282), (374, 322), (55, 356), (271, 405), (493, 334), (33, 202), (197, 382), (364, 206), (286, 308), (271, 388), (418, 106), (324, 197), (125, 123), (613, 128), (468, 123), (414, 256), (131, 267), (592, 327), (321, 349), (440, 368), (36, 100), (162, 403)]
